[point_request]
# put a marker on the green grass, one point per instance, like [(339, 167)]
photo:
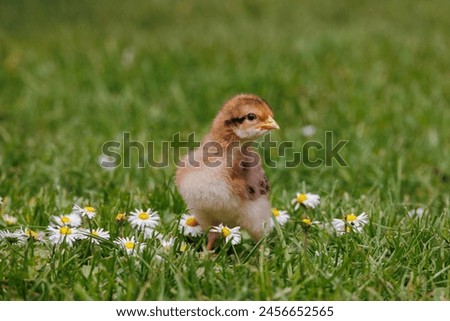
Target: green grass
[(75, 74)]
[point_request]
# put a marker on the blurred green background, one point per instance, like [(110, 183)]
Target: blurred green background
[(75, 74)]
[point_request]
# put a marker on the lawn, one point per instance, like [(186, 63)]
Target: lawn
[(77, 74)]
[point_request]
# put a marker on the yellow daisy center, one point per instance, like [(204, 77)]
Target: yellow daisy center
[(301, 198), (89, 209), (120, 217), (225, 231), (275, 212), (183, 247), (143, 216), (31, 233), (129, 245), (94, 233), (350, 217), (191, 221), (65, 230), (307, 221), (65, 219)]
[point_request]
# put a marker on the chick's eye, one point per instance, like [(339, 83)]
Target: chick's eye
[(251, 116)]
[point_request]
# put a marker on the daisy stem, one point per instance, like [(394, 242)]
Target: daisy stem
[(336, 260), (287, 255), (28, 254), (93, 261), (119, 230), (53, 259), (235, 254), (305, 241)]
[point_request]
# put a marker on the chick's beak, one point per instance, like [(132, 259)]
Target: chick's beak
[(269, 124)]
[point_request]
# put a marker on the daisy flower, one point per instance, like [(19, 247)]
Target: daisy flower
[(308, 200), (281, 216), (107, 162), (183, 247), (189, 226), (308, 130), (73, 220), (418, 212), (9, 219), (307, 223), (61, 234), (121, 217), (167, 244), (143, 219), (129, 245), (350, 222), (231, 234), (95, 235), (32, 235), (88, 211), (11, 237)]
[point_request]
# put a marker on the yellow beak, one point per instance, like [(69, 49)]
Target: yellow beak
[(270, 124)]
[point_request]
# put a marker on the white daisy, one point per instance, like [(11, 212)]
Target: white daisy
[(107, 162), (12, 237), (95, 235), (167, 244), (141, 219), (158, 258), (418, 212), (308, 200), (129, 244), (308, 130), (32, 235), (281, 216), (189, 226), (9, 219), (63, 234), (73, 220), (328, 227), (232, 235), (88, 211), (350, 222)]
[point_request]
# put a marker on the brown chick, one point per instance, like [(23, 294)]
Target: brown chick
[(222, 181)]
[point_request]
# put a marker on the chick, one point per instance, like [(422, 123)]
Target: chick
[(222, 181)]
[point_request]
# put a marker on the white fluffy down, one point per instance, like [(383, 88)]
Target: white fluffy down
[(210, 199)]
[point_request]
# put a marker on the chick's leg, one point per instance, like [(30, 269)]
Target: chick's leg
[(212, 237)]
